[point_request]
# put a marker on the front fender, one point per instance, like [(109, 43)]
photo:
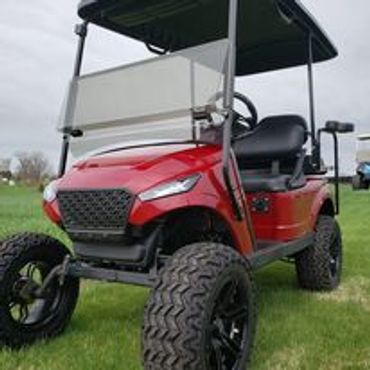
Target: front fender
[(209, 193)]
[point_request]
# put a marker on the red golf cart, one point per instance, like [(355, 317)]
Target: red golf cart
[(176, 189)]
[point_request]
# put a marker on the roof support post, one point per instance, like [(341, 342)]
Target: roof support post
[(230, 78), (229, 102), (81, 31), (314, 142)]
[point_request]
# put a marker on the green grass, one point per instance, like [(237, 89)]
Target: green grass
[(296, 329)]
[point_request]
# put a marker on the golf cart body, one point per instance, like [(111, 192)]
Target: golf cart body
[(177, 190), (260, 193)]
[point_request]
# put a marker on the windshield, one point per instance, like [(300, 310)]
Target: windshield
[(156, 100), (363, 150)]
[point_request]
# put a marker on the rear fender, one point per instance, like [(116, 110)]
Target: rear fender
[(323, 203)]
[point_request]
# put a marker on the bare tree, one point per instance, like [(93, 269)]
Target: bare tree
[(32, 167), (5, 168)]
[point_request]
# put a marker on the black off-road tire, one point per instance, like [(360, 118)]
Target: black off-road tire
[(319, 266), (178, 320), (15, 253)]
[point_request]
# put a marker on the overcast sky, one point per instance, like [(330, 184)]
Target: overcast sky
[(37, 48)]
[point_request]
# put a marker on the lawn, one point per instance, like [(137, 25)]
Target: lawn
[(296, 329)]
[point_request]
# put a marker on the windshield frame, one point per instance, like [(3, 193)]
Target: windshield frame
[(228, 88), (170, 90)]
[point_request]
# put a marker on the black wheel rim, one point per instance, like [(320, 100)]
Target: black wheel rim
[(335, 255), (24, 307), (227, 335)]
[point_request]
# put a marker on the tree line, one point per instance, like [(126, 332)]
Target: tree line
[(31, 168)]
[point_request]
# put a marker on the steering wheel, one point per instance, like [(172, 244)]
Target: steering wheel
[(241, 123)]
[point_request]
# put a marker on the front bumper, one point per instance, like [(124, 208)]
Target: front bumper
[(135, 252)]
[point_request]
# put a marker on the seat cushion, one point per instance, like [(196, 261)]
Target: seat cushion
[(275, 138), (267, 182)]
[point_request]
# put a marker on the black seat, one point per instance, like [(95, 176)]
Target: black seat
[(268, 157)]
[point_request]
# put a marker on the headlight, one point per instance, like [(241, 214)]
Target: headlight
[(50, 192), (171, 188)]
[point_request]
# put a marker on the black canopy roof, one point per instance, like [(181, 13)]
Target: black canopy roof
[(272, 34)]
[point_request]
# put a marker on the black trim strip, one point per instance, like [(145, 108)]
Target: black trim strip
[(276, 252)]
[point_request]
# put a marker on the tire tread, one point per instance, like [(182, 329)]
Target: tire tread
[(12, 251), (312, 263), (174, 312)]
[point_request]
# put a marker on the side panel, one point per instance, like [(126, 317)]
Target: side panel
[(289, 215)]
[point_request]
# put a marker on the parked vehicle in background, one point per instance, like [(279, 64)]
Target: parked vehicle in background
[(361, 181)]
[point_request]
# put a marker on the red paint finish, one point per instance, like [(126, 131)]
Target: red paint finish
[(209, 193), (323, 194), (291, 214), (140, 169), (52, 211)]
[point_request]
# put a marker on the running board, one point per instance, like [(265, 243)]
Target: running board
[(275, 252)]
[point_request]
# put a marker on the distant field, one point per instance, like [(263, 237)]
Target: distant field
[(296, 329)]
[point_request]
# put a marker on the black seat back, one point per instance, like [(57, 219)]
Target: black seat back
[(276, 138)]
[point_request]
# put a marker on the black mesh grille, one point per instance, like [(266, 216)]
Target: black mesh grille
[(95, 210)]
